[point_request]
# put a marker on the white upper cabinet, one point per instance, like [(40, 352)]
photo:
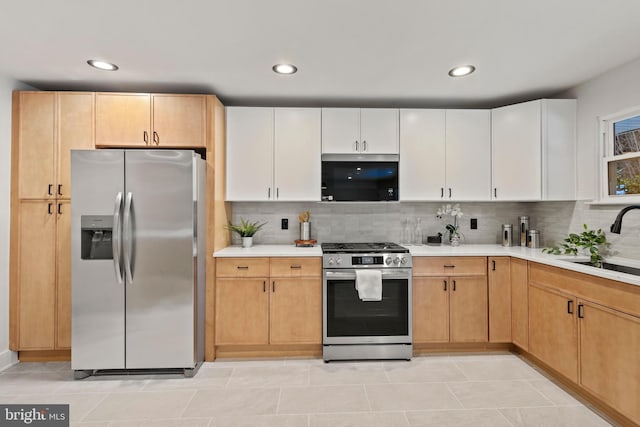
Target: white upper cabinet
[(297, 154), (249, 154), (533, 150), (273, 154), (422, 155), (468, 153), (445, 155), (359, 131), (379, 131)]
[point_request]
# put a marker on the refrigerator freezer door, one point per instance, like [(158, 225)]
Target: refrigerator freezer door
[(98, 300), (160, 295)]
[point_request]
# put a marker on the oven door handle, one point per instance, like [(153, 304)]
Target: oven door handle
[(352, 275)]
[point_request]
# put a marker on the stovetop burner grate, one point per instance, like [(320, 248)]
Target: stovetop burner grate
[(375, 247)]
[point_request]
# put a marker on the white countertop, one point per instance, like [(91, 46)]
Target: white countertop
[(268, 251), (535, 255)]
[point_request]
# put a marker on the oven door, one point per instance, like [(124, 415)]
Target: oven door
[(349, 320)]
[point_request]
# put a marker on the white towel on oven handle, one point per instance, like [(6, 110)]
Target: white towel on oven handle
[(369, 285)]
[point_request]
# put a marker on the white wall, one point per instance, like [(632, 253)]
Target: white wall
[(609, 93), (6, 87)]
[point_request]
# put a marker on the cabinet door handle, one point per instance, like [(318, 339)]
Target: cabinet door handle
[(145, 137), (580, 311), (50, 189), (59, 189), (242, 267), (444, 282), (296, 266), (493, 263), (441, 192), (269, 193), (495, 193), (59, 208), (449, 192), (273, 286), (264, 286), (356, 145), (364, 145), (277, 192), (49, 206), (156, 138), (454, 285), (570, 306)]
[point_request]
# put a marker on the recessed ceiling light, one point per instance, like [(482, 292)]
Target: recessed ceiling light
[(461, 70), (284, 68), (102, 65)]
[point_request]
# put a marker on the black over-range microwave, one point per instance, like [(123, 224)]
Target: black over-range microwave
[(356, 178)]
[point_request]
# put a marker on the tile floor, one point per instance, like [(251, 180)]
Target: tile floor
[(451, 390)]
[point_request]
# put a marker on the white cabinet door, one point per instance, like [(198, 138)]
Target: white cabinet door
[(422, 155), (340, 130), (249, 154), (468, 136), (297, 154), (516, 152), (378, 131), (558, 149)]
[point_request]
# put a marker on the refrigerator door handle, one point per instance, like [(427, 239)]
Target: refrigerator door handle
[(116, 243), (127, 238)]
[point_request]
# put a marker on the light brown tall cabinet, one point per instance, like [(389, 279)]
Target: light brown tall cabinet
[(46, 126)]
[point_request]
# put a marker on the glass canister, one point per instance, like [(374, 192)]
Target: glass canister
[(524, 230), (534, 239), (507, 231)]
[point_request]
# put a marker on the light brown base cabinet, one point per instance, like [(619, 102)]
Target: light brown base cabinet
[(519, 303), (588, 330), (450, 302), (499, 278), (268, 301)]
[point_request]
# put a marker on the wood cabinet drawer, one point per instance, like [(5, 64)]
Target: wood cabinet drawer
[(296, 267), (242, 267), (449, 266)]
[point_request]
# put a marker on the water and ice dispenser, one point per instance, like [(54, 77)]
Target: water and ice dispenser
[(96, 236)]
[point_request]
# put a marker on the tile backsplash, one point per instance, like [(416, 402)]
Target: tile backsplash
[(351, 222), (379, 221)]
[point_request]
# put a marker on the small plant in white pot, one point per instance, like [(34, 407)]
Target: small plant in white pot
[(246, 230)]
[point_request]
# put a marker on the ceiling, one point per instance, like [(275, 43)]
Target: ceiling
[(348, 52)]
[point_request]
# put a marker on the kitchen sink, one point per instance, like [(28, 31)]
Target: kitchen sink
[(615, 267)]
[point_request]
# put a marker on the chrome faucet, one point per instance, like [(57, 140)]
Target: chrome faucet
[(617, 224)]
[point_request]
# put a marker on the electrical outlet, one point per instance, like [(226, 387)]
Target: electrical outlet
[(474, 223), (284, 223)]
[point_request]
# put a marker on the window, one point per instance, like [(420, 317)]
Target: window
[(621, 159)]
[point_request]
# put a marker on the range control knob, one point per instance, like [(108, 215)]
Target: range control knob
[(338, 261), (388, 261), (403, 260), (396, 260), (331, 261)]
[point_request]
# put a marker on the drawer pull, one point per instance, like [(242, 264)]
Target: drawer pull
[(296, 266), (242, 267), (449, 266)]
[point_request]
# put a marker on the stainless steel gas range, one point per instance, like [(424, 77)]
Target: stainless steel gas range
[(354, 328)]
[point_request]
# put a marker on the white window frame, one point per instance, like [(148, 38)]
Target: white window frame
[(606, 156)]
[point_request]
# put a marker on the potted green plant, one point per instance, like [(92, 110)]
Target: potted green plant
[(246, 230), (593, 243)]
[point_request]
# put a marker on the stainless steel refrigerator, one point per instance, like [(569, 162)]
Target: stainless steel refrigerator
[(138, 260)]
